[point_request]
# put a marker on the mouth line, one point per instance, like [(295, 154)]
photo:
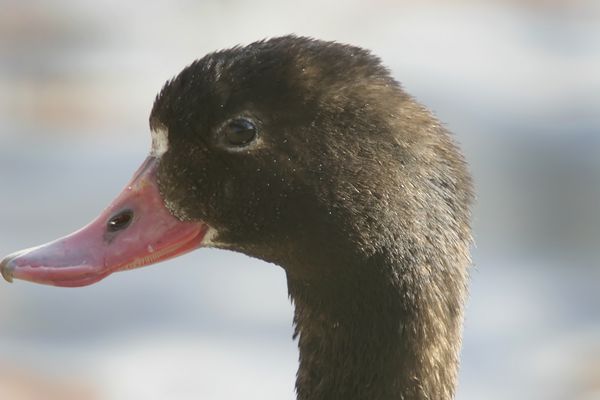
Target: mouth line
[(79, 273), (85, 274), (162, 254)]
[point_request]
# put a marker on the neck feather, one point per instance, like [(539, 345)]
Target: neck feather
[(378, 330)]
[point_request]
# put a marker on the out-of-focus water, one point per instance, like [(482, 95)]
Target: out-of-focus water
[(517, 82)]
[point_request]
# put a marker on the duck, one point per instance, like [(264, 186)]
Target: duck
[(310, 155)]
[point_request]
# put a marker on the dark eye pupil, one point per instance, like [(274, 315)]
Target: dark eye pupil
[(120, 221), (240, 131)]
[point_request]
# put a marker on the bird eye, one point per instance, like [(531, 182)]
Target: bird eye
[(240, 131)]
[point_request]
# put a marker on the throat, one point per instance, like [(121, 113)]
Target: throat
[(375, 336)]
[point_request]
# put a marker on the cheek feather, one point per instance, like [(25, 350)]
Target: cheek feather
[(160, 142)]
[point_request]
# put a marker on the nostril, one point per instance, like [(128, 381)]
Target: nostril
[(120, 221)]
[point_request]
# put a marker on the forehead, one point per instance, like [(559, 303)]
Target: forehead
[(280, 77), (216, 88), (210, 85)]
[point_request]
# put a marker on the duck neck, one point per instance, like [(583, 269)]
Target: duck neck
[(377, 331)]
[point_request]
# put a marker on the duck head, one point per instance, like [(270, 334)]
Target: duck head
[(309, 155), (277, 149)]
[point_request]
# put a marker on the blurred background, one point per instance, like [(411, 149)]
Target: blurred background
[(517, 81)]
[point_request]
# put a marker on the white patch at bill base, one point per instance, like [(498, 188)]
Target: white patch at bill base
[(209, 238), (160, 142)]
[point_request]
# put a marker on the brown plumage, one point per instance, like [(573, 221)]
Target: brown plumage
[(309, 155), (355, 189)]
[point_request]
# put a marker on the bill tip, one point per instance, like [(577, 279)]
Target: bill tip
[(6, 268)]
